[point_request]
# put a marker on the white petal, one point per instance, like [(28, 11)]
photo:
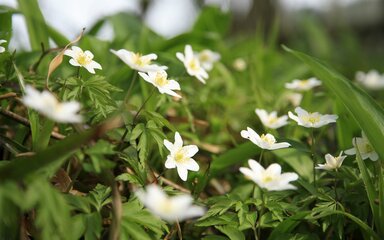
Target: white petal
[(274, 169), (374, 156), (168, 145), (170, 163), (191, 150), (255, 166), (73, 62), (96, 65), (173, 85), (183, 173), (351, 151), (300, 111), (248, 173), (279, 145), (89, 68), (191, 165), (178, 141), (293, 117), (146, 77), (191, 212), (180, 56), (89, 54)]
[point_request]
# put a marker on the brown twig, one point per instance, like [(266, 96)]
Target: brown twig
[(8, 95), (172, 184), (25, 122)]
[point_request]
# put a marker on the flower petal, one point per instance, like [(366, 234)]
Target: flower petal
[(183, 173)]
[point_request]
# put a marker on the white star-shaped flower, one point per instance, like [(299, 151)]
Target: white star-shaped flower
[(303, 85), (207, 58), (331, 162), (181, 157), (159, 80), (139, 62), (372, 80), (82, 59), (271, 178), (192, 64), (266, 141), (171, 209), (270, 120), (311, 120), (46, 104), (365, 148), (2, 49)]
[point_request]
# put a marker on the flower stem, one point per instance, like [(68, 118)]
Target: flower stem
[(142, 106), (335, 185), (78, 73), (261, 212), (130, 88), (179, 230), (313, 157), (261, 155)]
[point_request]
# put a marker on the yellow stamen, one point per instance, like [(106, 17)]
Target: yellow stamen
[(161, 79)]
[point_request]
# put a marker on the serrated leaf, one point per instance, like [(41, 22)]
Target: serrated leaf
[(232, 232)]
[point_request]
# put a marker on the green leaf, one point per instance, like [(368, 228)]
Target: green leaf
[(22, 167), (366, 112), (232, 232), (237, 155), (370, 189), (5, 26), (298, 160), (37, 29), (100, 196), (287, 226), (367, 229)]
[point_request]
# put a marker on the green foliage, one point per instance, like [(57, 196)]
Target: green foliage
[(79, 181)]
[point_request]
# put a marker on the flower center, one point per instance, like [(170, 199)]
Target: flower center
[(161, 79), (312, 118), (83, 59), (368, 148), (268, 138), (166, 206), (140, 61), (204, 57), (272, 120), (303, 83), (267, 179), (180, 157), (194, 64)]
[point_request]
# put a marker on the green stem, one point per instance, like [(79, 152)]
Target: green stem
[(78, 72), (142, 106), (261, 155), (313, 143), (134, 77), (261, 212), (134, 120), (335, 185)]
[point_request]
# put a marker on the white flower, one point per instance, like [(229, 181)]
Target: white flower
[(159, 80), (82, 59), (311, 120), (46, 104), (239, 64), (294, 98), (371, 80), (365, 148), (192, 64), (271, 178), (332, 163), (266, 141), (181, 157), (2, 49), (207, 58), (137, 61), (177, 208), (303, 85), (271, 120)]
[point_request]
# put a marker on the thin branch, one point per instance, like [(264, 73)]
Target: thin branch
[(25, 122)]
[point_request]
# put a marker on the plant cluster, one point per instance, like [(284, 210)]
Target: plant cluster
[(154, 140)]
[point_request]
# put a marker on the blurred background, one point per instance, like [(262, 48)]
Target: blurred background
[(170, 18)]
